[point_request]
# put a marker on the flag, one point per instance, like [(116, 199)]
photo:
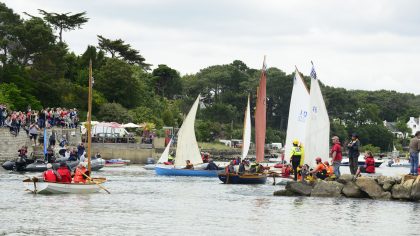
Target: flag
[(45, 141), (313, 72)]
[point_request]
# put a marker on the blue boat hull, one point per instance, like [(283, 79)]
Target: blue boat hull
[(185, 172), (243, 179)]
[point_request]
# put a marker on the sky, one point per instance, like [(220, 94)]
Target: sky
[(369, 44)]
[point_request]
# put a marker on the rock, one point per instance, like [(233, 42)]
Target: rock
[(403, 190), (327, 189), (299, 188), (398, 179), (381, 180), (352, 190), (284, 193), (415, 190), (388, 183), (344, 179), (371, 187)]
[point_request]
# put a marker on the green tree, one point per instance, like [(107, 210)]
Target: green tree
[(116, 81), (119, 49), (113, 112), (167, 81), (64, 21)]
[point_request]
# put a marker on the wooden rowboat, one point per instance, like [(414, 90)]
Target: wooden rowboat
[(39, 186)]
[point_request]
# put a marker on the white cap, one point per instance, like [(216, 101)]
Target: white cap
[(49, 166)]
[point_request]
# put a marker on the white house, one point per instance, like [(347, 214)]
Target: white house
[(414, 124)]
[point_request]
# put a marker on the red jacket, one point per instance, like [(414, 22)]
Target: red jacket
[(65, 174), (49, 176), (370, 165)]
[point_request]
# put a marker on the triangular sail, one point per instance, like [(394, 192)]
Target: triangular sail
[(164, 157), (260, 116), (187, 147), (298, 114), (318, 127), (247, 131)]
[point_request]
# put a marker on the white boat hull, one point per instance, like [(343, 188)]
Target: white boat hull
[(60, 188)]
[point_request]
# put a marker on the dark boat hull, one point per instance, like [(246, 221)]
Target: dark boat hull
[(243, 179), (41, 166)]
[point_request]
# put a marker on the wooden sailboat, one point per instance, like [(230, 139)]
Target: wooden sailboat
[(187, 149), (92, 185), (260, 126)]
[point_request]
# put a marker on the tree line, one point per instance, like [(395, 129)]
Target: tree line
[(38, 69)]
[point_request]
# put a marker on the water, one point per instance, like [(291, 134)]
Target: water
[(144, 204)]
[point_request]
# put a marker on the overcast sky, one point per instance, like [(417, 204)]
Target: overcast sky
[(354, 44)]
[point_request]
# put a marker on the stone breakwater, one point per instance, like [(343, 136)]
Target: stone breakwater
[(378, 187)]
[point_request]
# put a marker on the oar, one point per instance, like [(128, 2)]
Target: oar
[(102, 187)]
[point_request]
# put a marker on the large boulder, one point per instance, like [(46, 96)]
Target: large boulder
[(352, 190), (299, 188), (403, 190), (284, 193), (415, 190), (386, 182), (327, 189), (372, 188), (345, 178)]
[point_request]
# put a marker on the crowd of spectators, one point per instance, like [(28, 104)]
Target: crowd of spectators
[(31, 120)]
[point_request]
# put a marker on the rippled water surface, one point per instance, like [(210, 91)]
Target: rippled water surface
[(142, 203)]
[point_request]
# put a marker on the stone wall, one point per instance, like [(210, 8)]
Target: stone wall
[(10, 144), (135, 152)]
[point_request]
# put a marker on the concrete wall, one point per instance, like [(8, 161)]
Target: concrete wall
[(9, 144), (135, 152)]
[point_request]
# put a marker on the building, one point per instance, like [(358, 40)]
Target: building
[(414, 124), (391, 126)]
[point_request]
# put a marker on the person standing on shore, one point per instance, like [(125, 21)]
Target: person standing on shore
[(295, 157), (336, 156), (354, 153), (414, 154)]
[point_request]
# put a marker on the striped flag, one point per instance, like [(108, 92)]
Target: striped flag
[(313, 72)]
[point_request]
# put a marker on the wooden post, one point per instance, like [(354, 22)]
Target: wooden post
[(89, 118)]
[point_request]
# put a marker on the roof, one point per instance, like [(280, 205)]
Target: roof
[(392, 126)]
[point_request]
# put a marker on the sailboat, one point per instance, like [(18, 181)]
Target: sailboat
[(93, 185), (260, 127), (163, 158), (317, 139), (187, 149), (298, 114)]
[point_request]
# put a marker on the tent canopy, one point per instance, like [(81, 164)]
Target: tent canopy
[(130, 125)]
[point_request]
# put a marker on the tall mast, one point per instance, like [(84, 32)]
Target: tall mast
[(89, 117)]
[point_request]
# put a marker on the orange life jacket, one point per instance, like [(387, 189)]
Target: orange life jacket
[(78, 175)]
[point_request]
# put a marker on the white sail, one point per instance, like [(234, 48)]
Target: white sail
[(318, 127), (165, 154), (187, 147), (298, 114), (247, 131)]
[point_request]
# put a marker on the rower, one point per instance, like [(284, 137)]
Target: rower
[(49, 175), (64, 173), (80, 172)]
